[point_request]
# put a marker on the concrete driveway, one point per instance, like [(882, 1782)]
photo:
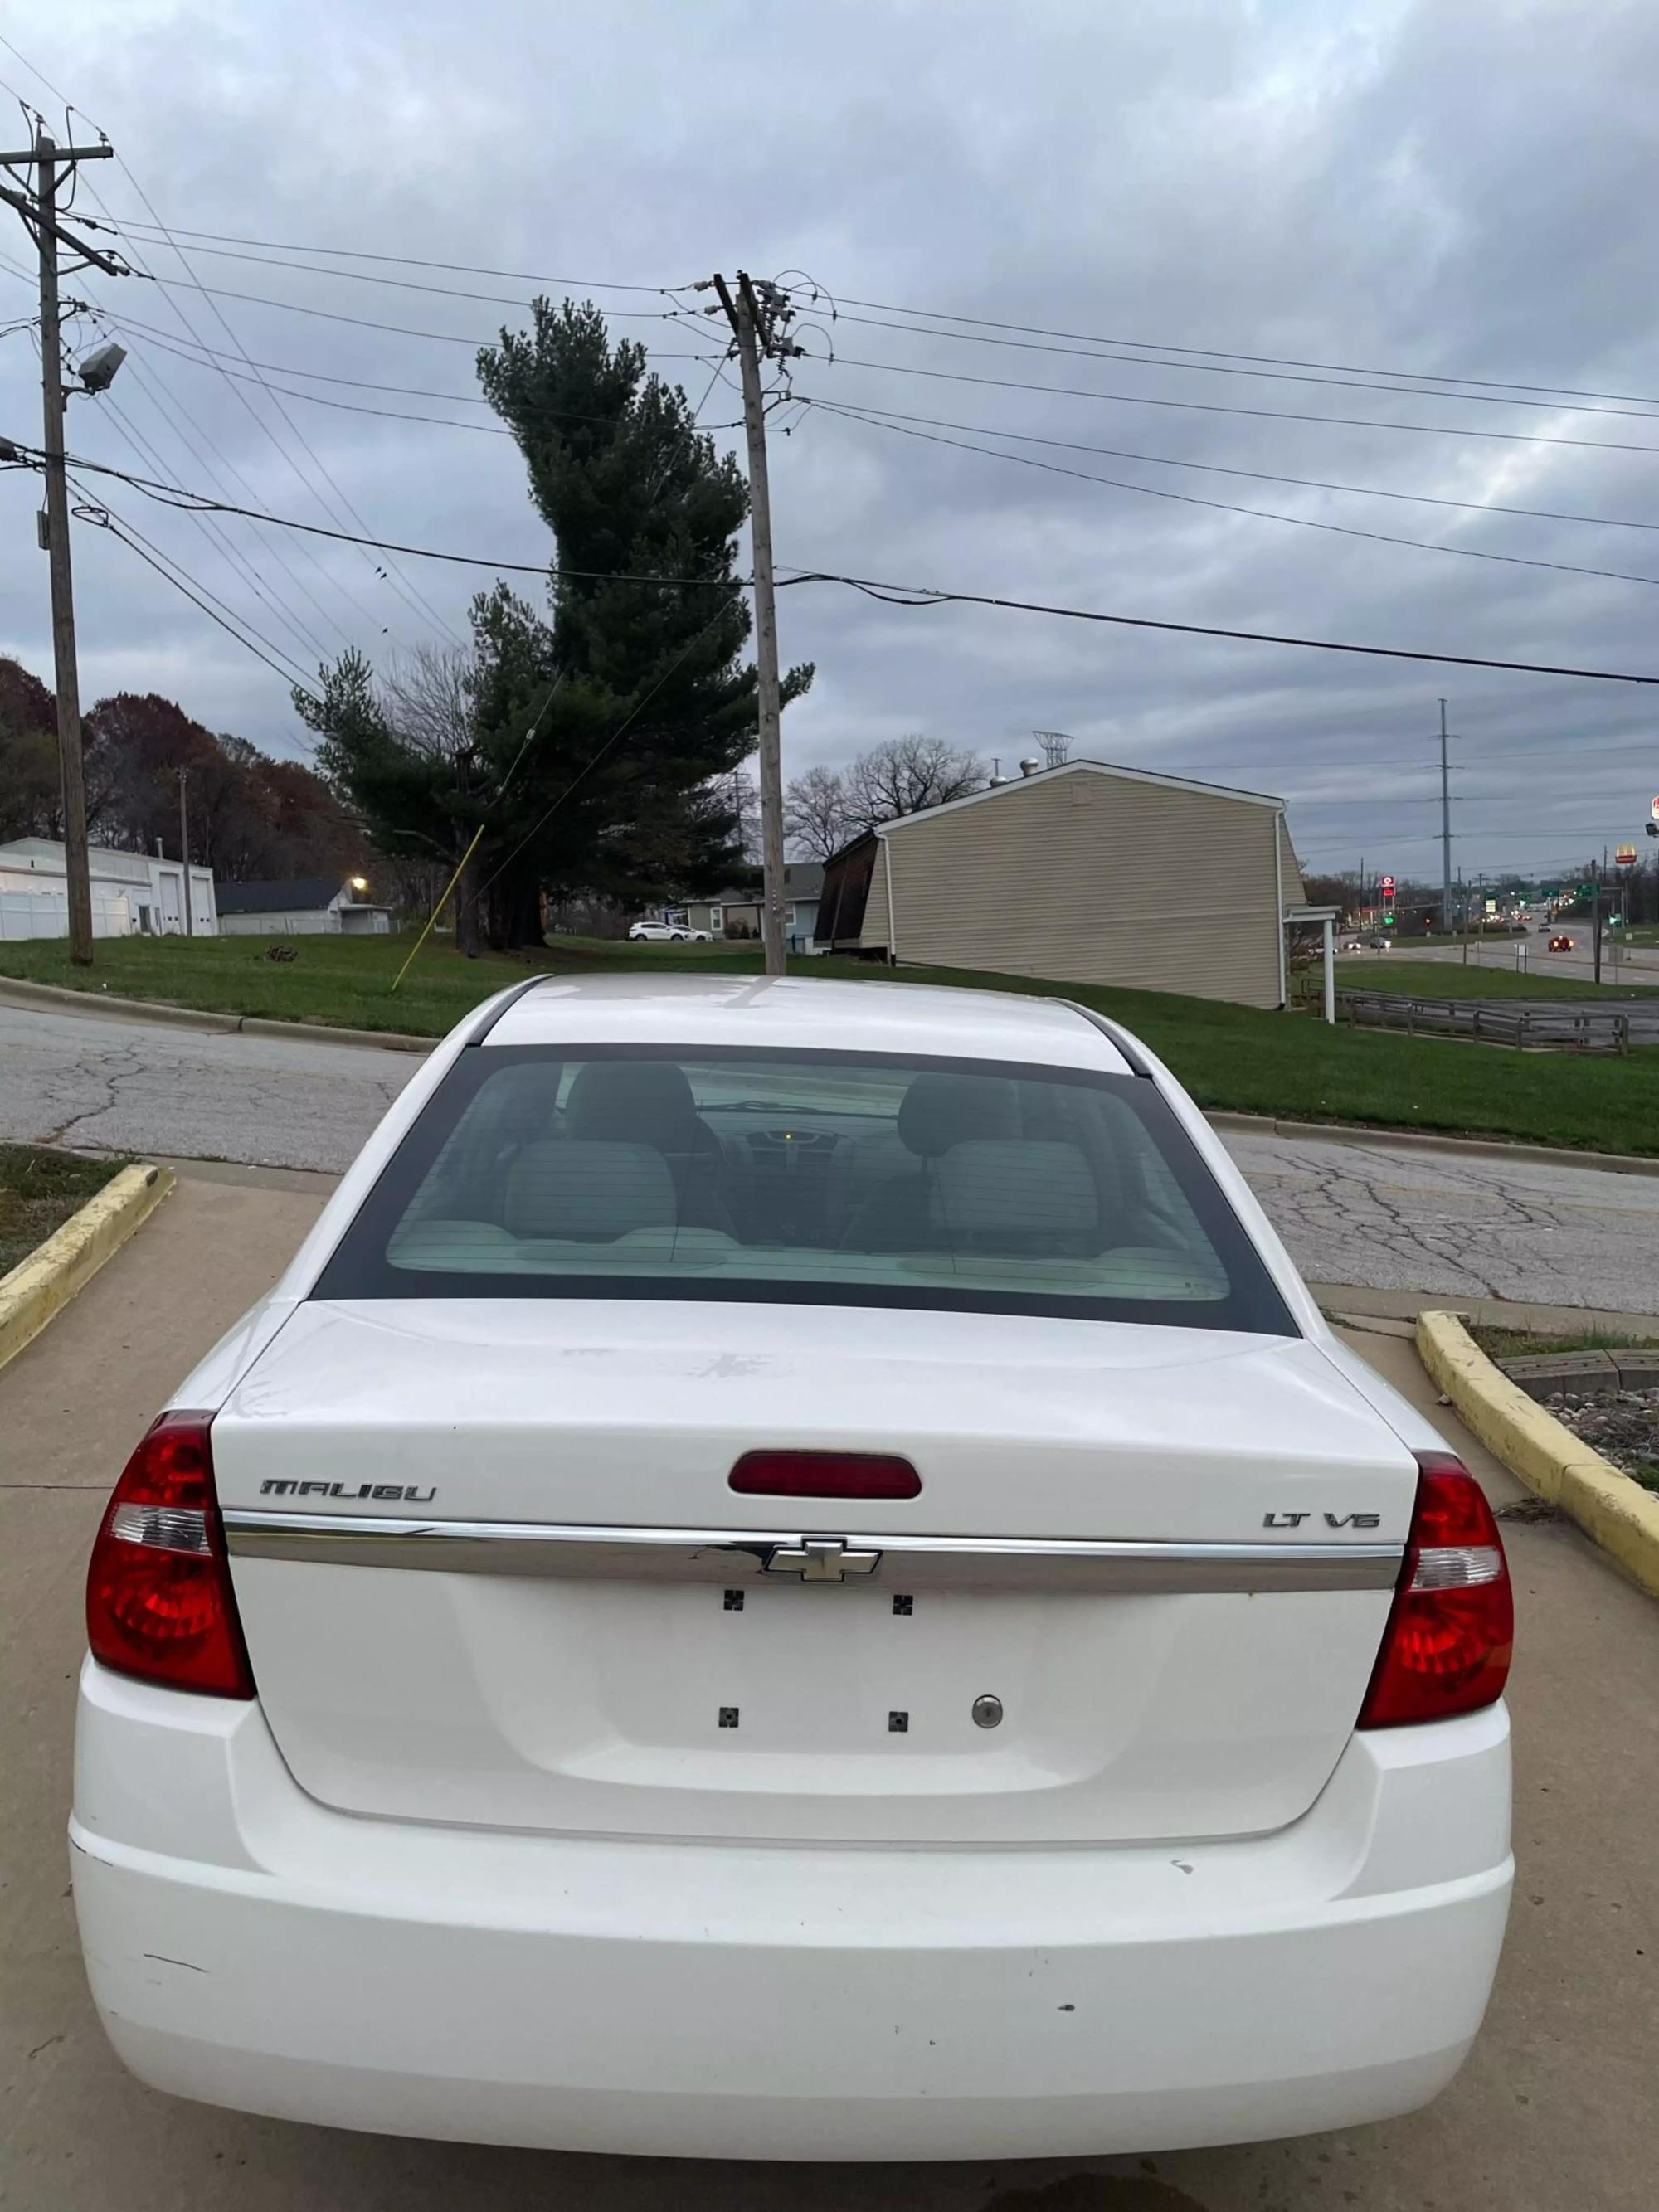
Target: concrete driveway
[(1553, 2114), (1367, 1213)]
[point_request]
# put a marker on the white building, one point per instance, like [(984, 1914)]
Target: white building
[(133, 894), (302, 906)]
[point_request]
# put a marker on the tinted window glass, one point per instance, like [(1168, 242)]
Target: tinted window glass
[(817, 1177)]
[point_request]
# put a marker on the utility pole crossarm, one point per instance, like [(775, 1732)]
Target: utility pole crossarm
[(33, 215), (62, 153)]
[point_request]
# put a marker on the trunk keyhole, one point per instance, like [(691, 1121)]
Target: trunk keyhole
[(987, 1711)]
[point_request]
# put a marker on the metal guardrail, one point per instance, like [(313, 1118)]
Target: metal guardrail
[(1530, 1025)]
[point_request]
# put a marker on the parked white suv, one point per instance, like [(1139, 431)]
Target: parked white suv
[(668, 933), (791, 1572)]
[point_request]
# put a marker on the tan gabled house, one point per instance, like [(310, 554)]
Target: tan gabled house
[(1085, 872)]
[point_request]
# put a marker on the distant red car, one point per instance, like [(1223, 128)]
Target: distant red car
[(1560, 944)]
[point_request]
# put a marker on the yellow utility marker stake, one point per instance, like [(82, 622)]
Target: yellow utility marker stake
[(439, 908)]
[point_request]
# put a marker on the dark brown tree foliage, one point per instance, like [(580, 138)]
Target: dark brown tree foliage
[(250, 816)]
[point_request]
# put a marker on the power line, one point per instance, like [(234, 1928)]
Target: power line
[(187, 502), (29, 66), (407, 260), (266, 432), (891, 594), (215, 535), (1547, 393), (206, 356), (359, 322), (199, 430), (1276, 361), (1215, 407), (211, 356), (1231, 507), (393, 576), (1220, 469), (395, 581), (398, 283), (922, 595), (1221, 368), (348, 406), (194, 590)]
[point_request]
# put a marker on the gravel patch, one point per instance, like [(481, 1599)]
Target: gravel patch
[(1623, 1427)]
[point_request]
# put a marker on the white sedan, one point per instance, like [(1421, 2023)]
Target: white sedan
[(668, 933), (791, 1572)]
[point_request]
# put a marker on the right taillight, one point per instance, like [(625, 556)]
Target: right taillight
[(1452, 1627), (158, 1599)]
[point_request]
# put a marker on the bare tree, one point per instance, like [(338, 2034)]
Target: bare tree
[(745, 799), (815, 818), (427, 698), (906, 775)]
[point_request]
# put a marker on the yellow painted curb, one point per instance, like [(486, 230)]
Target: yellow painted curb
[(1618, 1513), (42, 1285)]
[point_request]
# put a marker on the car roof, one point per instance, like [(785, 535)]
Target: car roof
[(911, 1019)]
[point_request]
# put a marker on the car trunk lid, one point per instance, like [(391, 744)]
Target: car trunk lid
[(491, 1570)]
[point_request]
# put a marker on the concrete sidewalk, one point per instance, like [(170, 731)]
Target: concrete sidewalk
[(1553, 2114)]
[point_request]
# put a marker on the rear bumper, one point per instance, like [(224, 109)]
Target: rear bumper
[(249, 1947)]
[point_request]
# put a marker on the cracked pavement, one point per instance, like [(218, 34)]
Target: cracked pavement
[(1471, 1224), (1362, 1213), (102, 1086)]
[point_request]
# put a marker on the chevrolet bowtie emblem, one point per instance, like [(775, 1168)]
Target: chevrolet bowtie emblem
[(820, 1559)]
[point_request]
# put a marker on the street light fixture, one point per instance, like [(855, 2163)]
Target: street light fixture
[(97, 371)]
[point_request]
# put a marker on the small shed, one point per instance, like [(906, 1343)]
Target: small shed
[(302, 906), (1086, 872)]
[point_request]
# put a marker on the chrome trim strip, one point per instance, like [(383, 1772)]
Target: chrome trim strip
[(740, 1555)]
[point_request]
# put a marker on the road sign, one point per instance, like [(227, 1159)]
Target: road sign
[(1626, 856)]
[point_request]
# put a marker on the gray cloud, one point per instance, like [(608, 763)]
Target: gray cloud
[(1455, 188)]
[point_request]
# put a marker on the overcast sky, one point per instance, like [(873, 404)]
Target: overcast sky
[(1461, 189)]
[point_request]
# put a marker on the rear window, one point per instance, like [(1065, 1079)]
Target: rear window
[(816, 1178)]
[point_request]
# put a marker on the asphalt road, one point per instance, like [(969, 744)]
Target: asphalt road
[(1553, 2112), (1640, 964), (101, 1085), (1364, 1214)]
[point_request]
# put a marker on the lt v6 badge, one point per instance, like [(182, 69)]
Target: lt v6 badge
[(1331, 1520)]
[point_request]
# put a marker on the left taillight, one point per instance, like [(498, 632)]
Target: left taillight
[(159, 1598)]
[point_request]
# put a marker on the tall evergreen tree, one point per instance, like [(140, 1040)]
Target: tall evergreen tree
[(631, 490), (641, 703)]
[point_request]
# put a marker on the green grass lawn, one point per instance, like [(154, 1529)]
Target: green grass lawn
[(39, 1191), (1450, 979), (1526, 1344), (1229, 1057)]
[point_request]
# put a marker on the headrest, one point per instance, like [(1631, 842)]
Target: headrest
[(564, 1187), (941, 1110), (1023, 1195), (639, 1102)]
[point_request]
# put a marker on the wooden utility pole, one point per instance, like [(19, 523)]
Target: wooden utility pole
[(39, 213), (1445, 827), (757, 316)]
